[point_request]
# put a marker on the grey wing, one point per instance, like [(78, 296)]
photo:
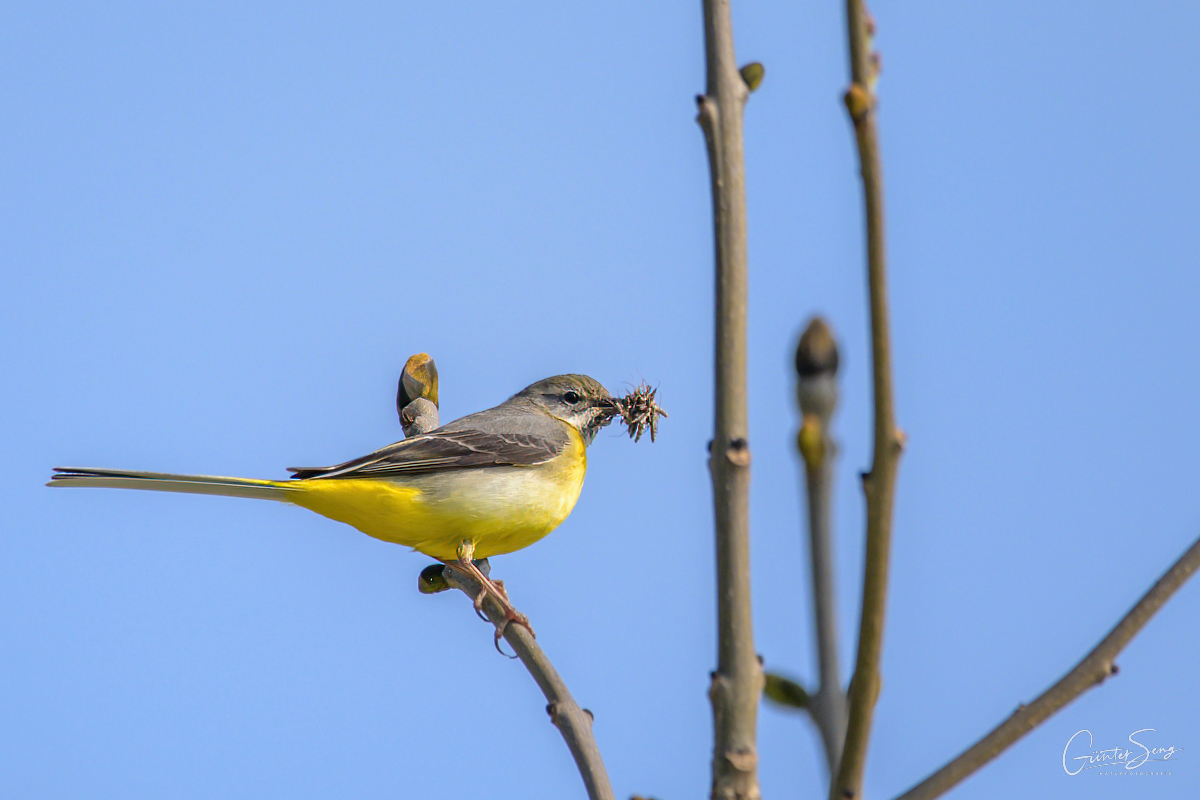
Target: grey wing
[(448, 449)]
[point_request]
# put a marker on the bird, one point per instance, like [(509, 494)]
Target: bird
[(487, 484), (417, 395)]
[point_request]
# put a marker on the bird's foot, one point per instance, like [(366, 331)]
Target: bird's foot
[(496, 589), (510, 615), (500, 595)]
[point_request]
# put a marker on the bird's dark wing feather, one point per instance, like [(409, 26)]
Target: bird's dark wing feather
[(443, 450)]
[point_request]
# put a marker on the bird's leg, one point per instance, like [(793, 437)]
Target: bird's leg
[(466, 563)]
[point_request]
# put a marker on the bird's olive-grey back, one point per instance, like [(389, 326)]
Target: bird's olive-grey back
[(526, 429)]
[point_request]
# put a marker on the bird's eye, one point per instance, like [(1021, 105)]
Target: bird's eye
[(571, 397)]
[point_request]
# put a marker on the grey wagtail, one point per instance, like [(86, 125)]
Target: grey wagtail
[(484, 485)]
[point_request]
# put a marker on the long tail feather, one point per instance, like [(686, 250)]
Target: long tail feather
[(166, 482)]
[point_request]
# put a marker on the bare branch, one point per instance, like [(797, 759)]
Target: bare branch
[(1091, 671), (880, 483), (573, 722), (817, 396), (737, 684)]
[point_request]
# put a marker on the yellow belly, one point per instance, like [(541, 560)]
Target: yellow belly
[(500, 509)]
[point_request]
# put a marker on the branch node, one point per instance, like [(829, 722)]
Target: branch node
[(738, 452), (591, 717), (706, 113), (742, 760), (717, 687), (858, 102)]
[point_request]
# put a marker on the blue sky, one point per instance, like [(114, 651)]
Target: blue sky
[(226, 225)]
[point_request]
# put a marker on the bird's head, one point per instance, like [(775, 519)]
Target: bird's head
[(577, 400)]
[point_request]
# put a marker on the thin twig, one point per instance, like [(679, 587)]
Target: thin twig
[(573, 722), (817, 396), (879, 484), (1091, 671), (738, 682)]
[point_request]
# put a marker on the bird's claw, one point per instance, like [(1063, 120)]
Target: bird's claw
[(487, 586), (512, 615), (499, 650), (478, 603)]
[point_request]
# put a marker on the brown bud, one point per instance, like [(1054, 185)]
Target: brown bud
[(817, 351)]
